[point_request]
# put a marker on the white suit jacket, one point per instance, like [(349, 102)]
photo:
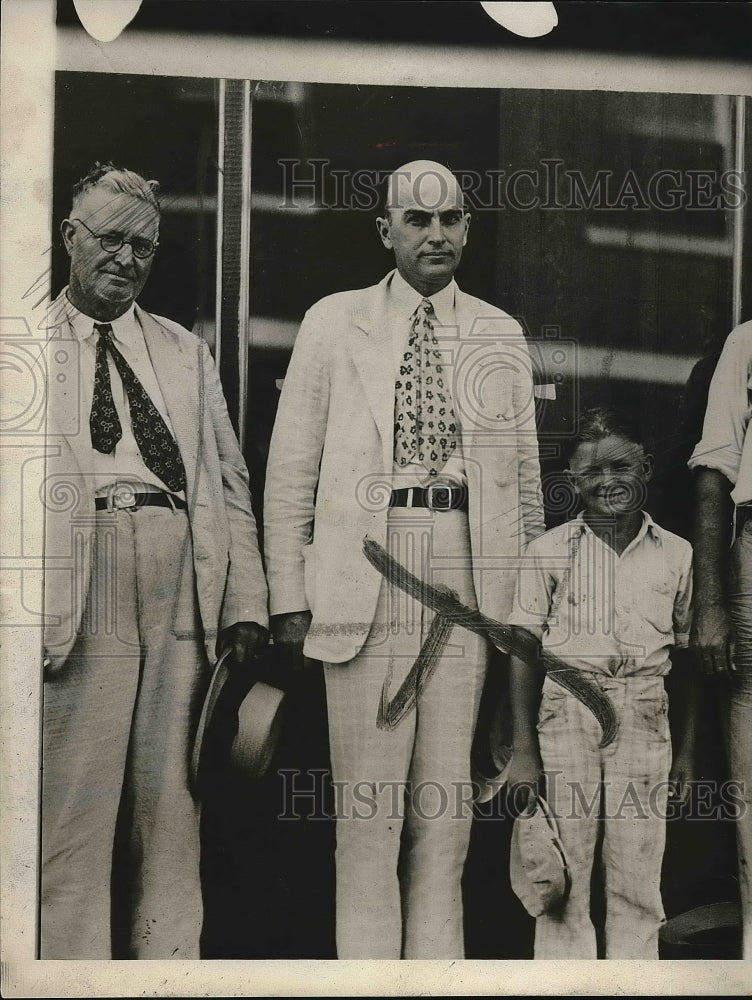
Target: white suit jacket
[(331, 457), (230, 580)]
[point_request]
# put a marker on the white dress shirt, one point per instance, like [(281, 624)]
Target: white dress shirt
[(124, 466), (402, 301)]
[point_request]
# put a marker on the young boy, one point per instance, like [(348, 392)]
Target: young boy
[(609, 593)]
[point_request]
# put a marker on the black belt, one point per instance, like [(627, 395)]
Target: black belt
[(439, 497), (132, 501)]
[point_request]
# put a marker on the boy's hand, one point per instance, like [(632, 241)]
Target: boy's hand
[(681, 776), (524, 780)]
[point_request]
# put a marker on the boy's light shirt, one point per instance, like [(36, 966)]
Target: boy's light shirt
[(605, 613)]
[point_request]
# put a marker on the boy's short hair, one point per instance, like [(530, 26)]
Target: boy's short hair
[(600, 422), (118, 180)]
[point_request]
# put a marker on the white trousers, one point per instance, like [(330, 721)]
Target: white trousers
[(119, 720), (626, 781), (403, 796)]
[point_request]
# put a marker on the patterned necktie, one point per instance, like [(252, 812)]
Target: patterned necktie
[(424, 421), (158, 447)]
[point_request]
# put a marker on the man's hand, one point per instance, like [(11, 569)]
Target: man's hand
[(681, 776), (712, 638), (289, 631), (524, 780), (245, 639)]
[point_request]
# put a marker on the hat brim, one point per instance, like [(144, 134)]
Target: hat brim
[(491, 753), (687, 928), (217, 683), (490, 785)]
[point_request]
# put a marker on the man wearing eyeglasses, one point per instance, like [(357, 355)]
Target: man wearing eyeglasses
[(151, 571)]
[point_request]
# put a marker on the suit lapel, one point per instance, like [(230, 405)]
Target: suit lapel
[(488, 360), (176, 367), (370, 345), (66, 415), (466, 312)]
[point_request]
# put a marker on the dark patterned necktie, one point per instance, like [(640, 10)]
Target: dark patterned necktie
[(158, 447), (424, 421)]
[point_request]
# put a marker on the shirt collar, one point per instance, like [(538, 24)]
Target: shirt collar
[(407, 299), (83, 325), (648, 527)]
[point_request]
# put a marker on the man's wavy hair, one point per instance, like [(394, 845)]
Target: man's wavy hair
[(601, 422), (118, 180)]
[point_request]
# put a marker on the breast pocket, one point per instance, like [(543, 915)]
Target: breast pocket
[(656, 604), (483, 389)]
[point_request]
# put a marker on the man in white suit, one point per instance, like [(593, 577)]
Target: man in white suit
[(152, 568), (406, 415)]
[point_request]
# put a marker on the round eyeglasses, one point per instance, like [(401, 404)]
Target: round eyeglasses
[(112, 242)]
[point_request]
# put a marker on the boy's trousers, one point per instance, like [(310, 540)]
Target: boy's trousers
[(626, 783)]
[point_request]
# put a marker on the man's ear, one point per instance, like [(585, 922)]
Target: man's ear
[(571, 481), (67, 229), (648, 466), (382, 224), (467, 226)]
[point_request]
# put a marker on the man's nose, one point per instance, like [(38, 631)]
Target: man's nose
[(125, 255), (436, 231), (599, 477)]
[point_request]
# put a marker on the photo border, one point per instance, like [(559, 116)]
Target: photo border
[(33, 49)]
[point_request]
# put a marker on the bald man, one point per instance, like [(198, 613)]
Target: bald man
[(406, 416)]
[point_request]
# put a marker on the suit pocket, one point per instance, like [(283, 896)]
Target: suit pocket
[(554, 709), (651, 719)]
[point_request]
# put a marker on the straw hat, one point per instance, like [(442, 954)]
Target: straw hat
[(537, 865), (241, 719)]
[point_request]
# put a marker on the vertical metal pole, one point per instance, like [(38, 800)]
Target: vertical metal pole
[(220, 224), (737, 219), (233, 293), (244, 303)]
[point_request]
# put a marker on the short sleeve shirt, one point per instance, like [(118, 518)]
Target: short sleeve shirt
[(726, 443), (602, 612)]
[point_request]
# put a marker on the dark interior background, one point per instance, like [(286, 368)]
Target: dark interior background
[(618, 306), (618, 303)]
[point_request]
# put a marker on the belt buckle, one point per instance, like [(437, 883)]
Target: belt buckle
[(122, 498), (431, 492)]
